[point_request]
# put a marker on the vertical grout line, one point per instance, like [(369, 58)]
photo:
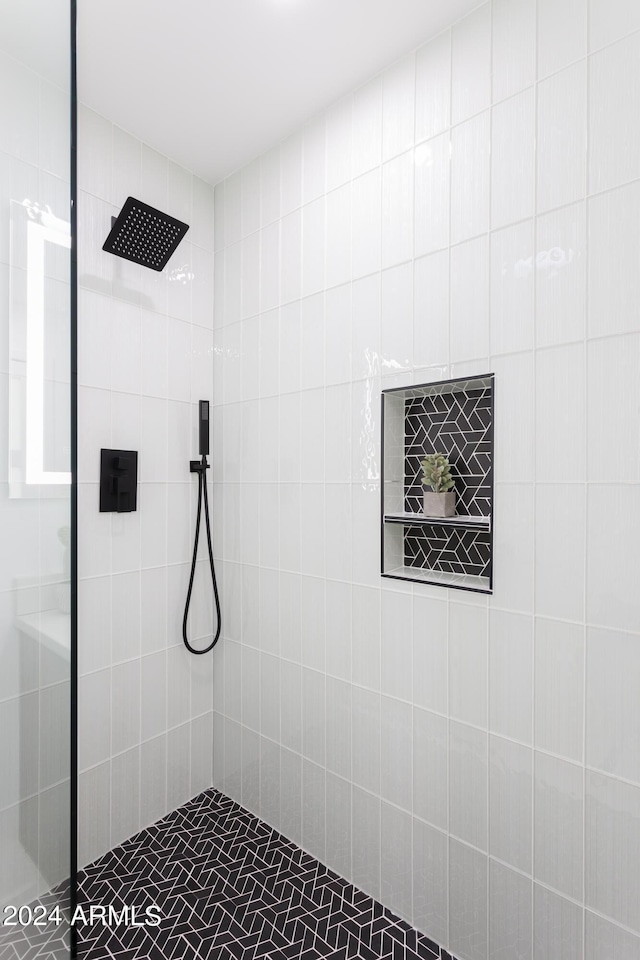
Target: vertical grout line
[(277, 486), (222, 724), (166, 649), (140, 655), (487, 621), (325, 386), (413, 589), (488, 774), (218, 340), (349, 476), (324, 477), (535, 489), (587, 146), (73, 418), (448, 773), (74, 773), (258, 402), (111, 578), (369, 478), (448, 592), (413, 223), (237, 484), (39, 885), (299, 478), (192, 408)]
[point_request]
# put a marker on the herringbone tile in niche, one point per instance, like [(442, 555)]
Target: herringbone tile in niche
[(457, 423), (456, 420), (448, 550), (231, 888)]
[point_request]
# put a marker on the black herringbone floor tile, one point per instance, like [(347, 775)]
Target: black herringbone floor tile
[(228, 887)]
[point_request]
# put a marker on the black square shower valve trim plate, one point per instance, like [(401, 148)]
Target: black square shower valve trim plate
[(118, 481)]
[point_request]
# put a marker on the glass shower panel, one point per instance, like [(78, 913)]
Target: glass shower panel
[(35, 463)]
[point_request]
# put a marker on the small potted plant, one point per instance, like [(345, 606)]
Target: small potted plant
[(440, 500)]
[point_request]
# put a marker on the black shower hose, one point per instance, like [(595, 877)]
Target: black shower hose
[(201, 470)]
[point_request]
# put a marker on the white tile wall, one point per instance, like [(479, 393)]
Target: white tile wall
[(614, 155), (433, 87), (470, 177), (512, 288), (510, 912), (489, 187), (430, 879), (512, 159), (510, 813), (513, 46), (467, 784), (613, 717), (510, 675), (432, 176), (469, 316), (562, 133), (562, 34), (612, 848), (556, 920), (471, 64), (468, 901), (146, 354), (612, 304), (558, 800), (395, 867), (416, 709)]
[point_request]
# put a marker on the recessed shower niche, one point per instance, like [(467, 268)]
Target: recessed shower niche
[(454, 418)]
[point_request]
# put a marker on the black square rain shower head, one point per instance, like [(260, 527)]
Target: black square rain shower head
[(144, 235)]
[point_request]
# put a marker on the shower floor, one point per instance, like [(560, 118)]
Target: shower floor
[(229, 887), (46, 942)]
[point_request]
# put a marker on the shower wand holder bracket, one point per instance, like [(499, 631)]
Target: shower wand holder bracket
[(196, 466)]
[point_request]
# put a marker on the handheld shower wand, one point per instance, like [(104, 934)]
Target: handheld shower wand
[(200, 467)]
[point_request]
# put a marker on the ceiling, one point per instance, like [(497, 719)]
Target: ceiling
[(212, 84), (36, 32)]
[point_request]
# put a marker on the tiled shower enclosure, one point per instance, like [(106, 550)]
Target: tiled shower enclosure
[(463, 763)]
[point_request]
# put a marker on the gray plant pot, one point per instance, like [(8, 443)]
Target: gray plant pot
[(439, 504)]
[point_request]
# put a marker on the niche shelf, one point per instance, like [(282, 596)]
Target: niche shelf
[(454, 417)]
